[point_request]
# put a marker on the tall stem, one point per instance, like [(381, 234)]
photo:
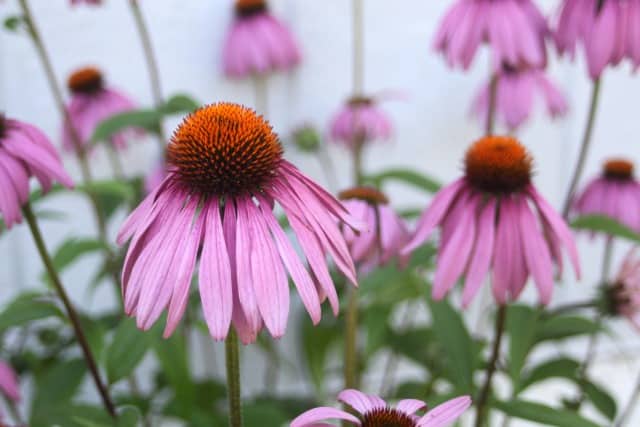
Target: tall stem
[(116, 164), (233, 379), (351, 340), (261, 95), (584, 148), (493, 102), (358, 47), (625, 414), (483, 398), (71, 312), (152, 63)]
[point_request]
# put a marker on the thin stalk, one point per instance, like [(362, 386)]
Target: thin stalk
[(584, 148), (152, 63), (493, 101), (116, 163), (233, 379), (358, 47), (625, 414), (571, 307), (481, 402), (71, 312), (261, 95), (391, 364), (15, 413), (351, 341)]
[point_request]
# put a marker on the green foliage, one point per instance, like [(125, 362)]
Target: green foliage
[(180, 103), (148, 120), (28, 307), (14, 22), (110, 194), (71, 250), (601, 399), (55, 387), (316, 344), (126, 350), (562, 367), (562, 327), (405, 176), (605, 224), (543, 414), (522, 325)]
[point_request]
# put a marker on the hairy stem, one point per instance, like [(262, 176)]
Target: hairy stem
[(71, 312)]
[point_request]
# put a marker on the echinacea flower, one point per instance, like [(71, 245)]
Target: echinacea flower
[(385, 234), (514, 29), (609, 31), (25, 152), (488, 224), (91, 103), (225, 175), (9, 386), (616, 194), (622, 297), (372, 411), (516, 92), (360, 121), (257, 42)]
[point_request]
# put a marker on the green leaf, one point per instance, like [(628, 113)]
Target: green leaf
[(174, 363), (126, 351), (601, 399), (27, 308), (70, 250), (72, 415), (452, 334), (13, 22), (561, 327), (58, 384), (145, 119), (555, 368), (111, 194), (605, 224), (180, 103), (129, 416), (406, 176), (543, 414), (521, 326), (316, 342), (261, 414)]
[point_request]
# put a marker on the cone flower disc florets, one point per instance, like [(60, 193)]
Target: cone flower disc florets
[(488, 225), (225, 174)]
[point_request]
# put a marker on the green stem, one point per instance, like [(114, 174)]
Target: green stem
[(116, 164), (261, 94), (358, 47), (571, 307), (351, 340), (483, 398), (233, 379), (584, 148), (71, 312), (493, 101), (625, 414)]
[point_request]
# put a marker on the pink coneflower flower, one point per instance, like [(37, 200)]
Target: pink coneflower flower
[(517, 90), (609, 30), (360, 121), (24, 152), (616, 194), (488, 224), (9, 386), (514, 29), (372, 411), (91, 103), (622, 297), (385, 234), (257, 42), (226, 172)]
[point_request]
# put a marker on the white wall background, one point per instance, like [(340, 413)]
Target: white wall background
[(433, 128)]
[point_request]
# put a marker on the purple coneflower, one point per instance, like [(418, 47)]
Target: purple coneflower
[(515, 30), (258, 43), (623, 295), (616, 194), (488, 224), (609, 30), (24, 152), (226, 172), (372, 411), (360, 121), (91, 103), (517, 90), (386, 232), (9, 386)]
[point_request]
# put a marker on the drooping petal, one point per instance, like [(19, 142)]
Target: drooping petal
[(356, 399), (444, 414), (316, 415), (483, 251)]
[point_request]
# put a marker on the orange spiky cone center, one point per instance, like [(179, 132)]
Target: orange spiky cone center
[(498, 164), (387, 417), (618, 169), (246, 8), (85, 80), (224, 149), (366, 194)]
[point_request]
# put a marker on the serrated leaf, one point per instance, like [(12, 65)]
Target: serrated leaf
[(601, 399), (543, 414), (406, 176), (180, 103), (27, 308), (555, 368), (127, 349), (605, 224)]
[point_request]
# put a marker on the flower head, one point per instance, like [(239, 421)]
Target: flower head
[(385, 234), (360, 121), (25, 152), (372, 411), (514, 29), (488, 224), (622, 296), (608, 30), (615, 193), (225, 174), (91, 103), (258, 43), (517, 90), (9, 385)]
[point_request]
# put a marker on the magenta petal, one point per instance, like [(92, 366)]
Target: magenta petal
[(483, 252), (410, 406), (356, 399), (316, 415), (446, 413)]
